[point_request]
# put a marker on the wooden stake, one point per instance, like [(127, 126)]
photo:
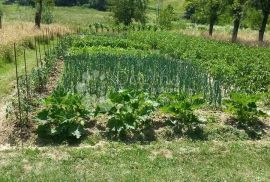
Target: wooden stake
[(27, 86), (18, 92)]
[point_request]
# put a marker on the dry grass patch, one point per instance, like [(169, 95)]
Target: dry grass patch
[(17, 31), (246, 37)]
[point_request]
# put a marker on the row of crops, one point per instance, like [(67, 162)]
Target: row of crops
[(102, 64), (240, 68)]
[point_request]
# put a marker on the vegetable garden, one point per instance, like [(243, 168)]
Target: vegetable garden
[(134, 84)]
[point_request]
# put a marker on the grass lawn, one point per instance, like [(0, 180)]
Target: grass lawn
[(160, 161)]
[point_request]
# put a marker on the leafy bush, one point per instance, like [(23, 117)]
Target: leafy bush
[(129, 113), (63, 118), (246, 113)]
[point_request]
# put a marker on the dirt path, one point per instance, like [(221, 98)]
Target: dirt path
[(5, 128)]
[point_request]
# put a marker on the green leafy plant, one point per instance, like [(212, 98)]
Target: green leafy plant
[(246, 113), (129, 113), (181, 107), (63, 117)]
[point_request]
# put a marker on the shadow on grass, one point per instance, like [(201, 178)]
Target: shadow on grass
[(254, 128)]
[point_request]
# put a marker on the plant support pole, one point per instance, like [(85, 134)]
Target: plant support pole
[(18, 91)]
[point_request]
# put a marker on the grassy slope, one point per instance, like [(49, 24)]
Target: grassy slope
[(75, 16), (72, 17), (162, 161)]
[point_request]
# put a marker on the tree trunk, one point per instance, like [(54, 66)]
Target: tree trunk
[(263, 26), (38, 14), (211, 27), (0, 22), (235, 29)]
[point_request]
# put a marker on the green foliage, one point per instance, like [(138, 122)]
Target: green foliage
[(6, 54), (1, 10), (98, 4), (266, 100), (47, 15), (252, 19), (236, 67), (26, 2), (130, 112), (166, 17), (63, 118), (205, 10), (182, 108), (246, 113), (65, 2), (127, 10)]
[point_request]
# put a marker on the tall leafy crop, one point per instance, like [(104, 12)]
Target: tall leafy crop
[(99, 72)]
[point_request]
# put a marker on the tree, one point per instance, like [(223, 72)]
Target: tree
[(237, 10), (47, 14), (206, 11), (166, 17), (100, 5), (126, 10), (1, 15), (43, 5), (38, 13), (214, 8), (264, 7)]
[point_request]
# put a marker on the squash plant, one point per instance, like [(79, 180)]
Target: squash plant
[(62, 118), (129, 113)]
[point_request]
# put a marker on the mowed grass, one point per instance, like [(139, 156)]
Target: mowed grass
[(161, 161)]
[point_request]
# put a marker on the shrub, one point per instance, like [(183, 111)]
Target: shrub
[(63, 118), (129, 113)]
